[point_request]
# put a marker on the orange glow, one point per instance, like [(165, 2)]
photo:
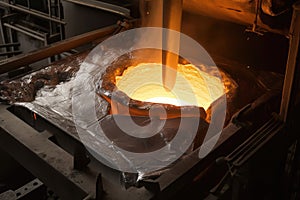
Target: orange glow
[(193, 87), (34, 116)]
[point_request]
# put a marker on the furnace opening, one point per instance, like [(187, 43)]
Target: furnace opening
[(135, 81), (193, 87)]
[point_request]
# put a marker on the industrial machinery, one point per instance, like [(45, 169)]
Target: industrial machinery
[(254, 153)]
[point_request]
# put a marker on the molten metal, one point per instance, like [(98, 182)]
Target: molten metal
[(193, 87)]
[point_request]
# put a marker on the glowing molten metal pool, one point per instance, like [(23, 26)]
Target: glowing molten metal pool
[(193, 87)]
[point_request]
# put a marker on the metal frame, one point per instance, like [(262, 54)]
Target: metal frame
[(9, 49), (46, 160), (54, 49), (13, 11), (33, 12), (56, 167)]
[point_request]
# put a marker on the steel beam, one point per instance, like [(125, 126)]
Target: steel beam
[(44, 159)]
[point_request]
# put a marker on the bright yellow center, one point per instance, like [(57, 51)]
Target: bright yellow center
[(193, 87)]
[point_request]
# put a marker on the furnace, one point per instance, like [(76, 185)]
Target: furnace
[(94, 125)]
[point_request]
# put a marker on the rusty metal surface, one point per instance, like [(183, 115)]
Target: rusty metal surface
[(24, 89)]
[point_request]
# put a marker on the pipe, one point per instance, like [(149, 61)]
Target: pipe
[(9, 44), (29, 30), (172, 13), (24, 31), (292, 72)]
